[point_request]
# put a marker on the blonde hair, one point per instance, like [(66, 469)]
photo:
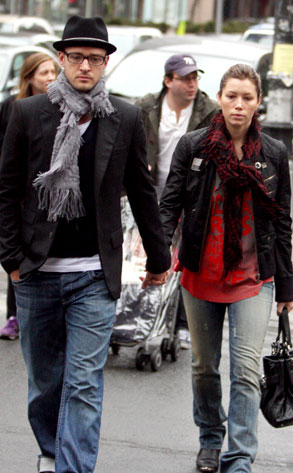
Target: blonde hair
[(242, 71), (28, 68)]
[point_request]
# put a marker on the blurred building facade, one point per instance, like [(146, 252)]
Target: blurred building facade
[(167, 11), (249, 10)]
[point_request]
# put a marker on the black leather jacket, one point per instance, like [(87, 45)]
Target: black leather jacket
[(189, 190)]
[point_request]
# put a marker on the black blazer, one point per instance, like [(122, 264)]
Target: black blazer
[(5, 112), (120, 161)]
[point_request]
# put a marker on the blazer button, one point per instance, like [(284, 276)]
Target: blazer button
[(51, 234)]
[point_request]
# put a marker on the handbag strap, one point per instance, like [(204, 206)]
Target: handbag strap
[(284, 327)]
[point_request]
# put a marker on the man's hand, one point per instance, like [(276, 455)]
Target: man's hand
[(14, 275), (152, 279), (281, 305)]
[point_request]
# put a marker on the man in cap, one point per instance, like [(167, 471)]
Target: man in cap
[(179, 107), (67, 155)]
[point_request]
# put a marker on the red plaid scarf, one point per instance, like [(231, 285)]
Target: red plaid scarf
[(236, 177)]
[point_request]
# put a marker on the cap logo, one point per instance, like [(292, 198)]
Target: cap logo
[(188, 60)]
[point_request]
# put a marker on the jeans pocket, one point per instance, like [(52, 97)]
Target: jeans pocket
[(96, 275), (23, 280)]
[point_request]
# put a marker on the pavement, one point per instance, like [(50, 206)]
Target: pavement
[(147, 424)]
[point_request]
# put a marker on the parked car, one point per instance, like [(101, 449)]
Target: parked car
[(14, 23), (142, 70), (11, 60), (263, 34), (44, 40), (125, 38)]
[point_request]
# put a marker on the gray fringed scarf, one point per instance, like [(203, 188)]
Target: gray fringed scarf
[(58, 188)]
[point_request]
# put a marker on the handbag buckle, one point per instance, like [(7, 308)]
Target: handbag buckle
[(276, 347), (286, 349), (263, 382)]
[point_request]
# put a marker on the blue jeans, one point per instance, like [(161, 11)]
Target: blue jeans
[(248, 321), (65, 323)]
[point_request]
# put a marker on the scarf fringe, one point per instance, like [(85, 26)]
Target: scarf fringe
[(61, 203)]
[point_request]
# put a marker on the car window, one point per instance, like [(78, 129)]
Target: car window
[(17, 63), (144, 38), (34, 27), (263, 39)]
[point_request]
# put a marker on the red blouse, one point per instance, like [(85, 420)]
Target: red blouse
[(209, 283)]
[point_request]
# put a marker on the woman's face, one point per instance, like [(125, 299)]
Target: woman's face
[(238, 102), (43, 76)]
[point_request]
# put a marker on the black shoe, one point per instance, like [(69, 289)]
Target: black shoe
[(208, 460)]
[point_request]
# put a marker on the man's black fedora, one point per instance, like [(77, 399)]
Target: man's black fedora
[(80, 31)]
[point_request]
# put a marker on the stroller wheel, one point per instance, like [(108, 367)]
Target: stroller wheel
[(141, 359), (175, 349), (156, 359), (164, 348), (115, 348)]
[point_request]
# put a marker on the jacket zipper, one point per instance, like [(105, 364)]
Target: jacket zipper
[(255, 239), (207, 220), (190, 212), (255, 236), (270, 178)]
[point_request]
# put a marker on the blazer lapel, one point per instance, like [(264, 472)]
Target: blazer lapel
[(50, 121), (106, 137)]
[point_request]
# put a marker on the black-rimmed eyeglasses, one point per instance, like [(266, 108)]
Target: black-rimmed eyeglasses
[(78, 58)]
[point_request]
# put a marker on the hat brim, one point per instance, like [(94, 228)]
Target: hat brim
[(188, 70), (94, 43)]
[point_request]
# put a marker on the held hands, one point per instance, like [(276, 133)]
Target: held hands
[(281, 305), (152, 279)]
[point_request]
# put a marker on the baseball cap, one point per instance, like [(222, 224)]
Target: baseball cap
[(182, 64)]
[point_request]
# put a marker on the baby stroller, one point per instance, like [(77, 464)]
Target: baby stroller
[(145, 318)]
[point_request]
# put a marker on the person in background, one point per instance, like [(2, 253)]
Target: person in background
[(66, 157), (37, 72), (232, 183), (179, 107)]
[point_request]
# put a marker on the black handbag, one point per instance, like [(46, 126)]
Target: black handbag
[(277, 382)]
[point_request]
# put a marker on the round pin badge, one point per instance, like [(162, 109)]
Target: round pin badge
[(257, 165)]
